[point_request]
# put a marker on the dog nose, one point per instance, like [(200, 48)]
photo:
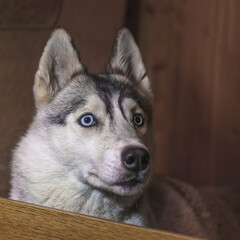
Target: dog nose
[(135, 159)]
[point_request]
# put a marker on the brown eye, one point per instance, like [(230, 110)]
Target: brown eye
[(138, 120)]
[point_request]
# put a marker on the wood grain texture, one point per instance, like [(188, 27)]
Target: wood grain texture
[(192, 53), (24, 221)]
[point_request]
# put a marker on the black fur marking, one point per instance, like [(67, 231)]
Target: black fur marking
[(106, 87), (105, 92), (142, 101), (59, 119), (120, 100), (59, 112), (144, 75), (75, 74)]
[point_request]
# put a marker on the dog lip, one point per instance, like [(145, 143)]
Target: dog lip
[(100, 179), (129, 183), (129, 187)]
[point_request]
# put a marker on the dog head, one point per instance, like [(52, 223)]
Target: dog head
[(96, 126)]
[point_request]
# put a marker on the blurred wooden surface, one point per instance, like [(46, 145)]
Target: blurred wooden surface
[(192, 53), (24, 221)]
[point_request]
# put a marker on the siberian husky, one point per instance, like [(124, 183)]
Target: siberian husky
[(88, 149)]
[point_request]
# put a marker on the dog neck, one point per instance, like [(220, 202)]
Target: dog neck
[(111, 206)]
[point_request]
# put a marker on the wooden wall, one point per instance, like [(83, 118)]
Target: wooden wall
[(192, 53), (191, 49)]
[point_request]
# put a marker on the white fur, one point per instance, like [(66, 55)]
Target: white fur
[(58, 167), (64, 165)]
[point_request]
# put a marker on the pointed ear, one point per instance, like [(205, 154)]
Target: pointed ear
[(127, 60), (58, 64)]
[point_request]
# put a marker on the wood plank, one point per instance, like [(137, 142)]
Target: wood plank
[(176, 40), (25, 221), (225, 150), (192, 53)]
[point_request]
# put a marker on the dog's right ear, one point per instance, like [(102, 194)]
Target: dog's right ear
[(58, 64)]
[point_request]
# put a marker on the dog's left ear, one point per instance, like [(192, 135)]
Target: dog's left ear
[(127, 60)]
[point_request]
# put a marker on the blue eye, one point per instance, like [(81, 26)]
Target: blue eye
[(87, 120), (138, 120)]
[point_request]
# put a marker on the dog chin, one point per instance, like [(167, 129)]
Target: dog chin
[(132, 187)]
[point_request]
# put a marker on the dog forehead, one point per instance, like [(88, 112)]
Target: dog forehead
[(72, 97), (106, 91), (111, 85), (94, 102)]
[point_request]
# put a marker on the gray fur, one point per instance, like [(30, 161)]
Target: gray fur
[(126, 60), (61, 164), (58, 64)]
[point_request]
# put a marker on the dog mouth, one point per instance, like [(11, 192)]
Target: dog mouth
[(130, 186), (129, 183)]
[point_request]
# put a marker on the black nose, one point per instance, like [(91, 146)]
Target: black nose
[(135, 159)]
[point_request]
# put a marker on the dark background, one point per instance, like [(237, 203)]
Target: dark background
[(192, 53)]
